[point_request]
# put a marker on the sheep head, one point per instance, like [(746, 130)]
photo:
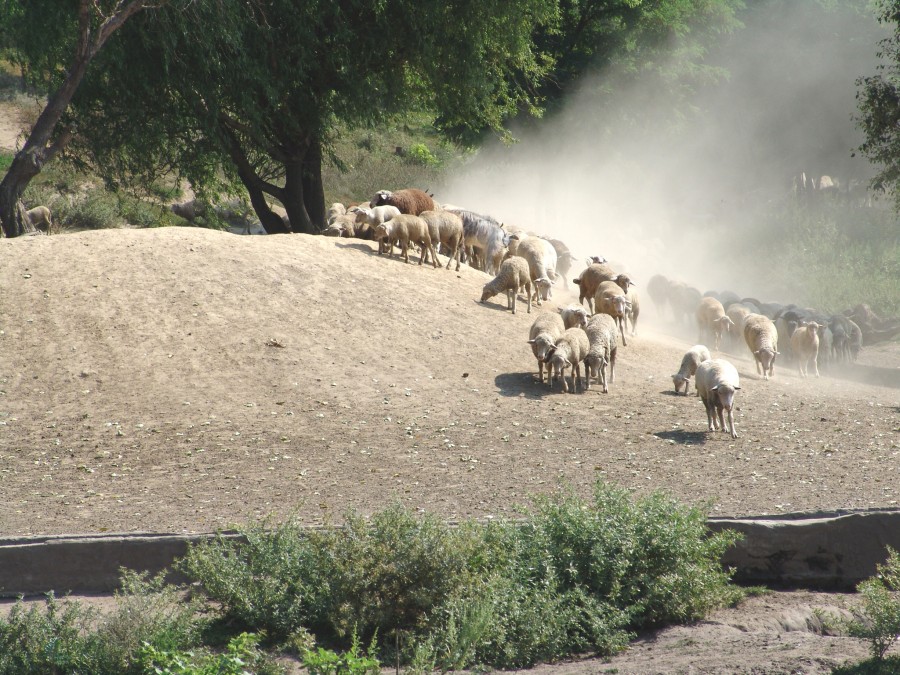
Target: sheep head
[(680, 381)]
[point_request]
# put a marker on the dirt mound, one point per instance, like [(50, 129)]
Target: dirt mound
[(186, 380)]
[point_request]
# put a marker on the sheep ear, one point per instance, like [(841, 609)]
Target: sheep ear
[(737, 387), (531, 342), (716, 388)]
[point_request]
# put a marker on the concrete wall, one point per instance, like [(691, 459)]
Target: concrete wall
[(826, 551)]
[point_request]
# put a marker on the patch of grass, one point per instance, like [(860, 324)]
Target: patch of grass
[(576, 575), (5, 161), (65, 636)]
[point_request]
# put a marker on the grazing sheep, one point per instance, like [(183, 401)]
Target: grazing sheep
[(574, 315), (335, 210), (691, 360), (712, 320), (590, 280), (485, 236), (658, 288), (411, 200), (40, 219), (333, 231), (542, 337), (368, 220), (447, 229), (512, 276), (716, 382), (570, 351), (407, 228), (728, 298), (737, 313), (761, 337), (345, 224), (611, 299), (685, 300), (601, 332), (634, 311), (805, 344), (564, 260), (541, 258)]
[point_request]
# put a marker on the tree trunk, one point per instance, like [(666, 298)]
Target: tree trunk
[(313, 190), (271, 221), (294, 200), (38, 150)]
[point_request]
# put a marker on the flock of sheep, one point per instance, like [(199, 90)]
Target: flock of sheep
[(587, 334)]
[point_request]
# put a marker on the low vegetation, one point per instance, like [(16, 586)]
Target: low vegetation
[(572, 576), (877, 620)]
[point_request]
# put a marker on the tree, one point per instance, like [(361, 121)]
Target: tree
[(879, 108), (251, 94), (94, 22)]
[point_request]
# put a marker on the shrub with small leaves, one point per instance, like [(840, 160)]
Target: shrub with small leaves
[(878, 620)]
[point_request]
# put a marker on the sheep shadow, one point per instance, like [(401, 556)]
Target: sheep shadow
[(358, 247), (501, 306), (515, 385), (684, 437)]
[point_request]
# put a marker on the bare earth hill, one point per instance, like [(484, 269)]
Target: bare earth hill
[(184, 380)]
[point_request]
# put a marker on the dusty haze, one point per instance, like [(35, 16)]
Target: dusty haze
[(659, 193)]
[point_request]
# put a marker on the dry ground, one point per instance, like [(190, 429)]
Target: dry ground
[(183, 380)]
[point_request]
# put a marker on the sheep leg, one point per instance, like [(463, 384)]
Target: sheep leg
[(621, 323), (576, 376), (528, 290), (710, 415), (612, 366), (719, 413), (815, 362), (731, 423)]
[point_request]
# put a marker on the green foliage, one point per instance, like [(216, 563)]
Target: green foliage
[(878, 620), (5, 161), (241, 657), (575, 576), (326, 662), (888, 666), (420, 154), (830, 255), (67, 637)]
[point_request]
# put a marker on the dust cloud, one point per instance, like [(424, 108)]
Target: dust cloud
[(662, 186)]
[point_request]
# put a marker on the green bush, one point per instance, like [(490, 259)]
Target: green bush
[(67, 637), (353, 662), (241, 657), (878, 620), (575, 576), (97, 210), (5, 162), (420, 154)]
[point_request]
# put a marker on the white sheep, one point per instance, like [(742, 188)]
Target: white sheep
[(761, 337), (712, 320), (634, 311), (40, 219), (370, 218), (447, 229), (407, 228), (512, 276), (345, 224), (805, 345), (542, 337), (574, 315), (542, 260), (601, 332), (692, 358), (570, 351), (611, 299), (335, 210), (716, 382)]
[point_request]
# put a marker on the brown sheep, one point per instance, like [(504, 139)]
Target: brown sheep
[(410, 200), (593, 276)]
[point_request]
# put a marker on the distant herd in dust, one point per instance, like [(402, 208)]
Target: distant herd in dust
[(583, 338)]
